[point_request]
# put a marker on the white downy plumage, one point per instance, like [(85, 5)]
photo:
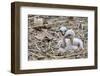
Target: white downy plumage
[(62, 30), (69, 45), (77, 43)]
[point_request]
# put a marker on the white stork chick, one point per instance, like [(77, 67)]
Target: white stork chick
[(61, 43), (72, 43)]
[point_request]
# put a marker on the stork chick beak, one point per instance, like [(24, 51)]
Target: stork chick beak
[(63, 33)]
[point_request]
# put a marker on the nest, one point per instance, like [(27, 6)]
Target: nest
[(43, 38)]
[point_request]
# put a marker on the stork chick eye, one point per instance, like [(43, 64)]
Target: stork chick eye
[(69, 35), (65, 30)]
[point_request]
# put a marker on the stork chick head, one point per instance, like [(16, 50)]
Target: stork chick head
[(70, 34), (63, 30)]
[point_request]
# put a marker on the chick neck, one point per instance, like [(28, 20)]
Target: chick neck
[(71, 40)]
